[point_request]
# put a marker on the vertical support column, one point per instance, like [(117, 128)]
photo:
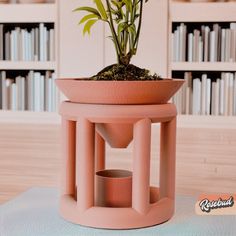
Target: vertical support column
[(68, 163), (99, 152), (141, 166), (85, 163), (167, 159)]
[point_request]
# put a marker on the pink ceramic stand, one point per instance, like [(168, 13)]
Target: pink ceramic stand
[(84, 130)]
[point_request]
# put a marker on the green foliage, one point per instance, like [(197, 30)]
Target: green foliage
[(88, 26), (101, 9), (124, 18), (88, 17), (88, 9)]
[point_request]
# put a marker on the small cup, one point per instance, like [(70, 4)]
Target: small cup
[(113, 188)]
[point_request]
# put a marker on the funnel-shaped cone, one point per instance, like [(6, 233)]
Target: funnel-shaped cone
[(117, 135)]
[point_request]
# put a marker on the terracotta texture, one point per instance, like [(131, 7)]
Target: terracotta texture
[(119, 92), (84, 153)]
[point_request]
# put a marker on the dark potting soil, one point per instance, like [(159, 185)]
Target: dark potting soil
[(125, 72)]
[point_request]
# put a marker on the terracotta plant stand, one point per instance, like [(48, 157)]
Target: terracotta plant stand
[(116, 112), (132, 203)]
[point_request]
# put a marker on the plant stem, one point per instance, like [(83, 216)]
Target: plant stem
[(132, 21), (125, 33), (116, 40), (133, 11), (139, 25)]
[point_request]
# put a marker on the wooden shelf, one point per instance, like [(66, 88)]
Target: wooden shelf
[(27, 65), (28, 13), (203, 66), (202, 12), (29, 117)]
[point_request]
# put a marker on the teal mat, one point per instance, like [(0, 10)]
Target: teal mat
[(35, 213)]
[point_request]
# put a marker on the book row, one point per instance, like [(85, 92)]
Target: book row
[(207, 96), (205, 44), (33, 92), (27, 44)]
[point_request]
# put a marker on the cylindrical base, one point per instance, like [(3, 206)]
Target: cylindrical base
[(161, 210), (113, 188)]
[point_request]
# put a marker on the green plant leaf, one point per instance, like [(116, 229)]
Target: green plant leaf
[(117, 21), (132, 30), (121, 27), (116, 3), (122, 15), (88, 25), (128, 4), (114, 12), (88, 9), (101, 9), (88, 17)]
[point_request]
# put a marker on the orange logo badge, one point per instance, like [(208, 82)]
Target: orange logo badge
[(216, 204)]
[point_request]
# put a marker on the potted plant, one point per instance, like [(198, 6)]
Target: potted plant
[(127, 101), (121, 83)]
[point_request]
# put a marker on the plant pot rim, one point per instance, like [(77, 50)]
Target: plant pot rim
[(118, 81)]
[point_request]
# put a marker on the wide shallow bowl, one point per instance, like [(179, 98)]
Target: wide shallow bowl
[(119, 92)]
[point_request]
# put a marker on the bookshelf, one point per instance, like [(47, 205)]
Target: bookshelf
[(203, 66), (16, 13), (194, 15), (201, 11), (28, 65), (28, 17), (212, 136), (68, 61)]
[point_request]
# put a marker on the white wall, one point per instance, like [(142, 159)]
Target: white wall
[(79, 56)]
